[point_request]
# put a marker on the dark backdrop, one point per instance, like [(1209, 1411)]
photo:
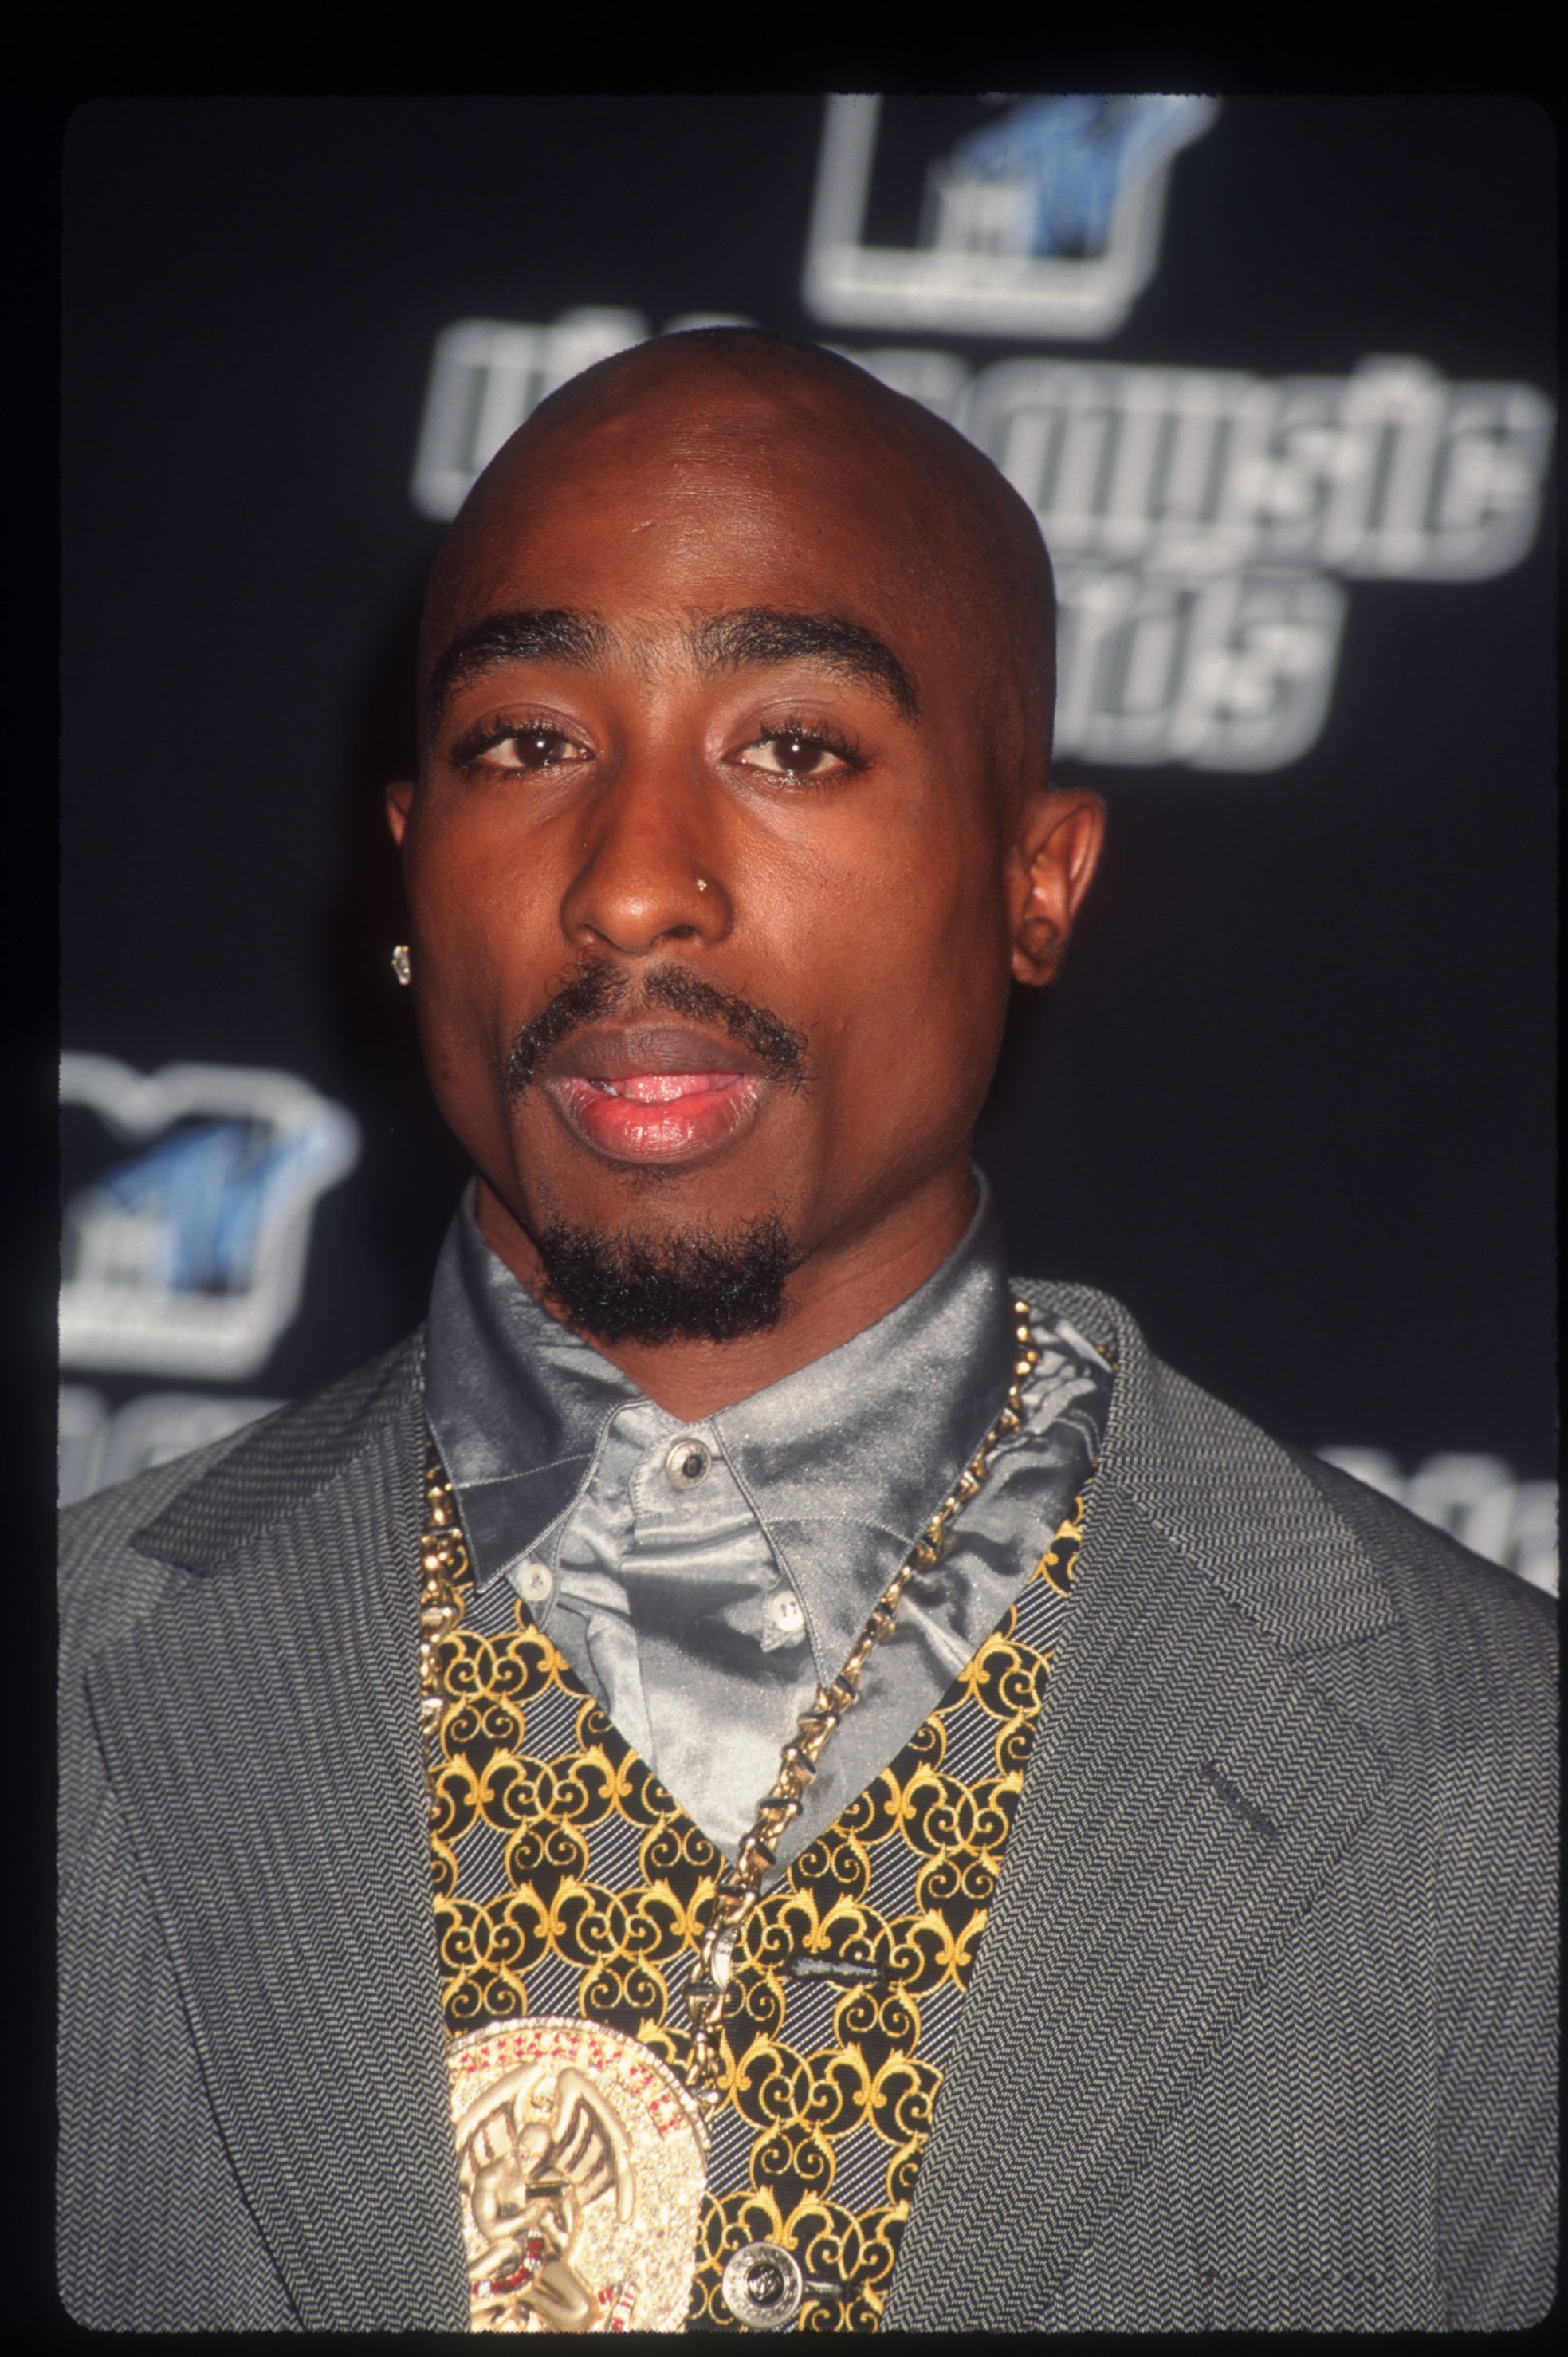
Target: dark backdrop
[(1291, 1101)]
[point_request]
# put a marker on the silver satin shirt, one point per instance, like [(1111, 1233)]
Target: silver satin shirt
[(702, 1579)]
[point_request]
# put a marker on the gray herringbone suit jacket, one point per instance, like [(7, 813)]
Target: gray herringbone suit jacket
[(1261, 2031)]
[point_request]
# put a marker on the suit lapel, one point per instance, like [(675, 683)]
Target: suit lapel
[(1187, 1793), (260, 1730)]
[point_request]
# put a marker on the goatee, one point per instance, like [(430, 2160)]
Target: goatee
[(697, 1287)]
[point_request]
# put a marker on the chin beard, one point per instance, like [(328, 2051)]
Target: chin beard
[(693, 1287)]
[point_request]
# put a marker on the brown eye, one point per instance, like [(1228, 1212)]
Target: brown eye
[(541, 748), (791, 753), (800, 755), (525, 752)]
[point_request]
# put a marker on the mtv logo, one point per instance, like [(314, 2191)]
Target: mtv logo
[(1044, 224), (187, 1257)]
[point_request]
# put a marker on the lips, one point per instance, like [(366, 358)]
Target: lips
[(660, 1093)]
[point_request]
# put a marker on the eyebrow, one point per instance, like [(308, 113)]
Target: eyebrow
[(757, 634), (751, 634), (549, 633)]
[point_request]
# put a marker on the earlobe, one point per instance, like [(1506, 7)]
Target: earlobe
[(399, 801), (1037, 950)]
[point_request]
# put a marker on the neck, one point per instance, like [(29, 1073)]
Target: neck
[(836, 1291)]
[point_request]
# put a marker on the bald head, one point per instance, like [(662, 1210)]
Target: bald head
[(957, 549)]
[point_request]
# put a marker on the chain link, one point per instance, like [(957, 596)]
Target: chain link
[(444, 1566)]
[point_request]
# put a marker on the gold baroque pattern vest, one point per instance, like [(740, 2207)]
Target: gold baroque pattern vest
[(568, 1882)]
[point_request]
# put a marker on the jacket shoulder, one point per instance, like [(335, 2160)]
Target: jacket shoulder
[(1492, 1628), (116, 1547), (1309, 1552)]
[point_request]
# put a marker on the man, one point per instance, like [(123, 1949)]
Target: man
[(757, 1772)]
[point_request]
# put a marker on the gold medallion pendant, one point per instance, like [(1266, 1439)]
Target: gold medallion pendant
[(583, 2161)]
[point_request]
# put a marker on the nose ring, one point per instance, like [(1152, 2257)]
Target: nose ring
[(702, 883)]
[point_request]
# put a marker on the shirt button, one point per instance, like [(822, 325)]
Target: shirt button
[(784, 1611), (762, 2286), (533, 1580), (688, 1463)]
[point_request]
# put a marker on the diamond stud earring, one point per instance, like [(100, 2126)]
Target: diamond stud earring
[(400, 964)]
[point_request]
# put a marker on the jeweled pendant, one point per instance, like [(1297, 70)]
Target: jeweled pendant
[(583, 2162)]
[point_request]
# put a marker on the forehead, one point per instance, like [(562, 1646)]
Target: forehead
[(704, 502)]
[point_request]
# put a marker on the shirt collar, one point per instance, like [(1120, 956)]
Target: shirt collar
[(843, 1461)]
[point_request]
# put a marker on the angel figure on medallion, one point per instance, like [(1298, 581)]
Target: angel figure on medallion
[(536, 2151)]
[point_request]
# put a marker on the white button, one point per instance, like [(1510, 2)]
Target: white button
[(533, 1580), (688, 1463), (785, 1612)]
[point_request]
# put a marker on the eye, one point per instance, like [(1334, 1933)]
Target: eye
[(538, 747), (535, 746), (799, 753)]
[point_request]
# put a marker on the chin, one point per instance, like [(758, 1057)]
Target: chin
[(696, 1283)]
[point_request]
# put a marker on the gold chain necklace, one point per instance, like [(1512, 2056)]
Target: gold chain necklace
[(526, 2234)]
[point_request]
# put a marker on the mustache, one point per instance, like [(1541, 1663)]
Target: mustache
[(605, 989)]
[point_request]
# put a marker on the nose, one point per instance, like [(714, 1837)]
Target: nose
[(643, 877)]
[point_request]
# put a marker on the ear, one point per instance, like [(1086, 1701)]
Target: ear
[(398, 802), (1055, 851)]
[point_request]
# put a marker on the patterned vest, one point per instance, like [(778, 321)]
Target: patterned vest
[(569, 1883)]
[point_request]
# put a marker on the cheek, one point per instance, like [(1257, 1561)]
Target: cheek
[(906, 959), (485, 912)]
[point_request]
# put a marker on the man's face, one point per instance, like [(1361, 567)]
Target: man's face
[(709, 882)]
